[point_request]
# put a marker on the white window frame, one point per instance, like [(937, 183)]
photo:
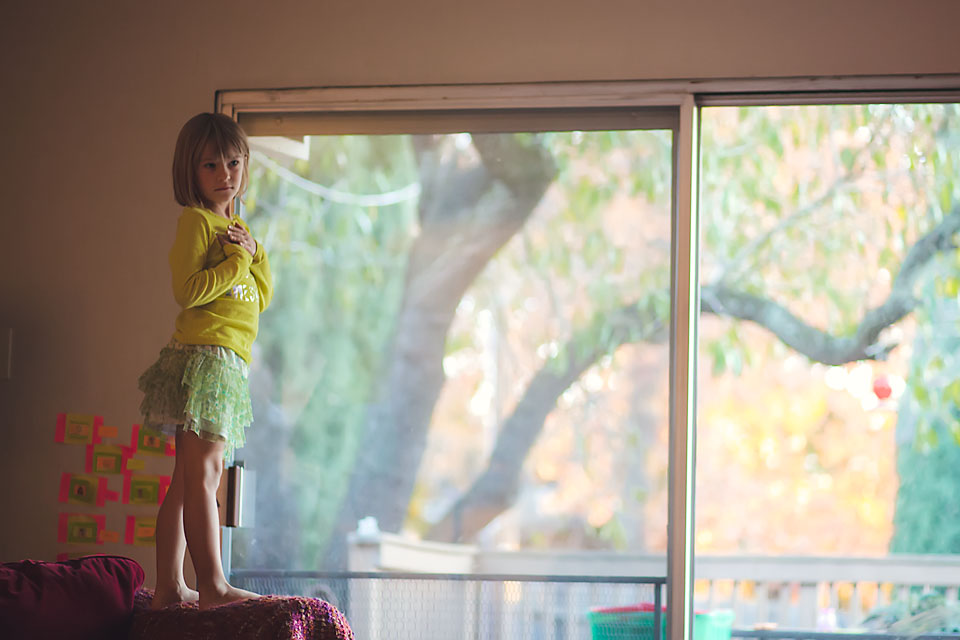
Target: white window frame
[(686, 97)]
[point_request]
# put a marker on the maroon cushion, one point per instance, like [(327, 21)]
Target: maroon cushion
[(91, 597), (264, 618)]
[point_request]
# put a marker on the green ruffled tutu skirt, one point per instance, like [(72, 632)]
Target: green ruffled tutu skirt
[(199, 388)]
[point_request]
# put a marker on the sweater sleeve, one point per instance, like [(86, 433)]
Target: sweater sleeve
[(194, 285), (260, 269)]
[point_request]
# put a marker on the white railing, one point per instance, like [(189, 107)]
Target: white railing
[(786, 591)]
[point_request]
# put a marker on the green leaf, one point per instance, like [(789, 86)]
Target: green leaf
[(952, 393), (719, 359), (927, 439), (921, 394), (847, 158)]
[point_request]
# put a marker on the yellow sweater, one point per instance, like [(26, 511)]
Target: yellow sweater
[(222, 289)]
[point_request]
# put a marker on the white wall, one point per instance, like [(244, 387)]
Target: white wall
[(93, 94)]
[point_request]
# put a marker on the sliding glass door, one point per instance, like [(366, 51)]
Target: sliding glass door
[(829, 380), (497, 349), (466, 366)]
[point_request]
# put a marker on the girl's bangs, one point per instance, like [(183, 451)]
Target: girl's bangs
[(227, 142)]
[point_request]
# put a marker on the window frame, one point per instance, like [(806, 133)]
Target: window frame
[(381, 109)]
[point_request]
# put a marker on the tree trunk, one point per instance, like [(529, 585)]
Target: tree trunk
[(467, 215)]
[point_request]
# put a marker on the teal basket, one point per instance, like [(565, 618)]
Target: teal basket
[(621, 623)]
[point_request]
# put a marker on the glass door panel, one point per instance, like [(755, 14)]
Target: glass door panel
[(829, 382), (465, 366)]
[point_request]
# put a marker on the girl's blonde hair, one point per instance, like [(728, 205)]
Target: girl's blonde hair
[(202, 129)]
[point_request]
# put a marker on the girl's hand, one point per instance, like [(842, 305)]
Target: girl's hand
[(238, 235)]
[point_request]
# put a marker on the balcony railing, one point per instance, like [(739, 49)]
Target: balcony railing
[(823, 593), (390, 605)]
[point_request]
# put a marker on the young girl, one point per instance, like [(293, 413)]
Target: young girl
[(197, 389)]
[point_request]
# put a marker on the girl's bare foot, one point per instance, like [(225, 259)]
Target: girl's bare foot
[(225, 595), (164, 597)]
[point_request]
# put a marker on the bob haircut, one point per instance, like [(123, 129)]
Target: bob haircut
[(202, 129)]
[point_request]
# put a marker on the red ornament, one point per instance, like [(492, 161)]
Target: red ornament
[(881, 387)]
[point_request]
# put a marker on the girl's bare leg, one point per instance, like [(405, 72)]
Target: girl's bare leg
[(171, 545), (202, 466)]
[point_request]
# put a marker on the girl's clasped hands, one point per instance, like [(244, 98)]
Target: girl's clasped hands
[(237, 234)]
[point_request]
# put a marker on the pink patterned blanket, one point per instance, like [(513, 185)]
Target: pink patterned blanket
[(267, 617)]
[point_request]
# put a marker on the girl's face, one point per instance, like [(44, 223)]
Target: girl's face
[(219, 178)]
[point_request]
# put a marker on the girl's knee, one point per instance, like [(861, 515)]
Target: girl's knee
[(202, 463), (212, 470)]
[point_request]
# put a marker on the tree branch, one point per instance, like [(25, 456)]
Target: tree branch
[(819, 345), (494, 490)]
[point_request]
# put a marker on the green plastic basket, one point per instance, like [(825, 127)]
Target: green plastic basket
[(621, 623)]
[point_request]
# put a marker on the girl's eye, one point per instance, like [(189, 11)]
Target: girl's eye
[(234, 163)]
